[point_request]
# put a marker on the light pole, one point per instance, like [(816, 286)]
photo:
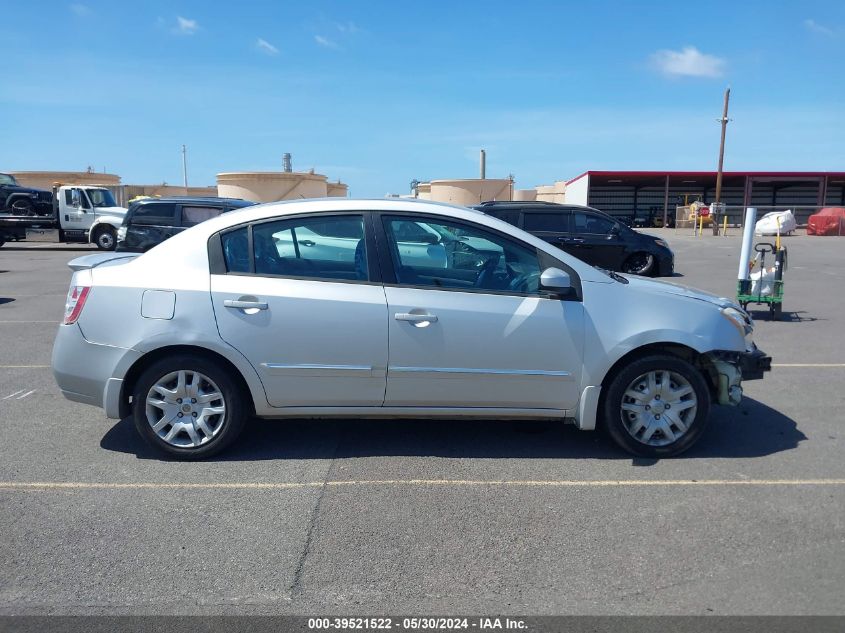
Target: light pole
[(718, 206), (185, 168)]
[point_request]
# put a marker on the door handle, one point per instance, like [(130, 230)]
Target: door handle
[(307, 242), (415, 318), (245, 305), (576, 240)]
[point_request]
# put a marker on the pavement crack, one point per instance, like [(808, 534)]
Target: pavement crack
[(296, 589)]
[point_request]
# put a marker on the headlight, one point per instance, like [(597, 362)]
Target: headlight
[(121, 233), (740, 320)]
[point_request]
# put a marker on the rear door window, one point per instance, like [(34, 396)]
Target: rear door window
[(546, 221), (591, 224), (156, 214)]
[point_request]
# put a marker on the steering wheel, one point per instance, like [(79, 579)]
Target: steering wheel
[(486, 271), (524, 282)]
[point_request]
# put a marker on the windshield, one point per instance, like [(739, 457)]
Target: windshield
[(101, 198), (6, 179)]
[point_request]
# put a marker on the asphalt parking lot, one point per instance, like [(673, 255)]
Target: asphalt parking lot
[(422, 517)]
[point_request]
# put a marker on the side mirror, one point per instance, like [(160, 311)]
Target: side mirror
[(555, 280)]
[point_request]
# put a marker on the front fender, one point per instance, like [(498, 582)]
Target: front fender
[(110, 220)]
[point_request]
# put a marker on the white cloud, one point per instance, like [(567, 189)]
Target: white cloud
[(325, 42), (80, 9), (688, 62), (348, 27), (815, 27), (185, 26), (266, 47)]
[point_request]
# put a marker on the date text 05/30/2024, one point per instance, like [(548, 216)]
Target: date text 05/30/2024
[(417, 624)]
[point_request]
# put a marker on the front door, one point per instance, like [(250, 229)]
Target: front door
[(477, 332), (596, 240), (300, 306)]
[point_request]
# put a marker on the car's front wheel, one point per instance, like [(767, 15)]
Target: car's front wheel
[(188, 407), (656, 406), (639, 264), (105, 238)]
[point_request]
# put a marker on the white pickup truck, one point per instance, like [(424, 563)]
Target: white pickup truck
[(81, 214)]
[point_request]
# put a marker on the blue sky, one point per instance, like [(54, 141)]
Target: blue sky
[(379, 93)]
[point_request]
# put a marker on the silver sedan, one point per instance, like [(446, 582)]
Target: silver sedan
[(400, 309)]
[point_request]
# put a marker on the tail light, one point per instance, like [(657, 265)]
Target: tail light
[(76, 297)]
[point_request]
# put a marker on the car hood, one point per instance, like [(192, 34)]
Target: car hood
[(665, 287)]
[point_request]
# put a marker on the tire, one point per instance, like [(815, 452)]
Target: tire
[(638, 427), (639, 264), (105, 238), (22, 206), (207, 430)]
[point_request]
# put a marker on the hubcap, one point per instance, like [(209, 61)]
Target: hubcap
[(186, 409), (659, 407), (106, 240)]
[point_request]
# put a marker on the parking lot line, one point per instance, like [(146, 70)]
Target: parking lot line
[(28, 321), (24, 366), (808, 364), (292, 485)]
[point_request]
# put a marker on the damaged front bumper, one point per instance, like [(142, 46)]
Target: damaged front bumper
[(731, 368)]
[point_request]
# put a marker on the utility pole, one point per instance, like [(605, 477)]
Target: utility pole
[(724, 121), (185, 167)]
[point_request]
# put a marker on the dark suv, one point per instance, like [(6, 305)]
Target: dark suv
[(150, 221), (589, 234)]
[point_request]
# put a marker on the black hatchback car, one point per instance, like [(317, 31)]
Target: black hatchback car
[(150, 221), (589, 234)]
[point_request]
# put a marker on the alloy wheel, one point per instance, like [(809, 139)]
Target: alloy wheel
[(638, 264)]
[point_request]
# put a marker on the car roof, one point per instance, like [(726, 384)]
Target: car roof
[(191, 199)]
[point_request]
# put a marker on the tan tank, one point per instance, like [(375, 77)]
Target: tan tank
[(470, 192), (525, 195), (552, 193), (270, 186), (48, 179), (337, 190), (424, 191)]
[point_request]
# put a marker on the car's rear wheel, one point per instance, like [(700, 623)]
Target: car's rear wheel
[(105, 238), (639, 264), (656, 406), (188, 407)]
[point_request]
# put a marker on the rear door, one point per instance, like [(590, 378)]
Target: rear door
[(551, 226), (311, 319)]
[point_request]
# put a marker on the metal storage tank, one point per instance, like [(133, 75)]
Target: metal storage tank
[(470, 192), (337, 190), (46, 179), (552, 193), (270, 186), (424, 191)]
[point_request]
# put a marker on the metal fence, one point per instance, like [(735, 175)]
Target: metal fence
[(736, 214)]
